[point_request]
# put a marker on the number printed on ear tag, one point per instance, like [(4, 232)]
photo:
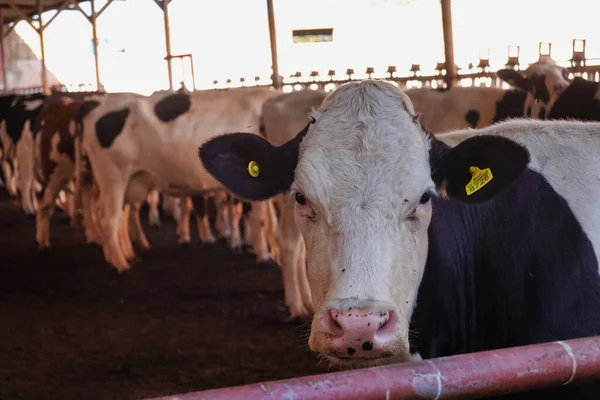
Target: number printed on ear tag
[(479, 178)]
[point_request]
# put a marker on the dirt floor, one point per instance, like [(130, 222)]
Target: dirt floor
[(181, 320)]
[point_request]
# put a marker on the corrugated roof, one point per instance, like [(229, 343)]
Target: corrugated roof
[(30, 8)]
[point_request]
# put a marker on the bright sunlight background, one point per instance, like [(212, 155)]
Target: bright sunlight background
[(229, 38)]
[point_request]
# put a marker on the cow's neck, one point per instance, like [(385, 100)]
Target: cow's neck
[(496, 270)]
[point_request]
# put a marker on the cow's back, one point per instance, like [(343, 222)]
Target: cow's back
[(457, 108), (285, 115)]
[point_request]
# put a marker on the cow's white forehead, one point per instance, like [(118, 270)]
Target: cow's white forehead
[(364, 150)]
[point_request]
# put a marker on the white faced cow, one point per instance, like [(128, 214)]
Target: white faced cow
[(144, 145), (475, 240)]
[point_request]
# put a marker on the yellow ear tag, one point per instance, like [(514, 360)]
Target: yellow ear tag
[(253, 169), (479, 178)]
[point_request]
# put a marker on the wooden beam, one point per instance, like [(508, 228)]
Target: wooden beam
[(58, 11), (75, 4), (108, 3), (277, 83), (9, 29), (99, 85), (164, 5), (22, 15), (40, 11), (448, 42), (2, 53)]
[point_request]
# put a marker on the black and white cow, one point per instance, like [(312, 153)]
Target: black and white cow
[(535, 91), (17, 119), (473, 240), (139, 145)]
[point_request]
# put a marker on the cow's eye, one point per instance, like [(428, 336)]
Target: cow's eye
[(300, 199), (425, 198)]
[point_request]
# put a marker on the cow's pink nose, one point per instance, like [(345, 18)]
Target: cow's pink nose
[(360, 332)]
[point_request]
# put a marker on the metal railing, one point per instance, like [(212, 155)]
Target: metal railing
[(474, 375)]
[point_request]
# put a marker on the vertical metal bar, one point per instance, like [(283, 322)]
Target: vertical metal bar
[(93, 20), (192, 68), (448, 42), (2, 53), (165, 8), (40, 30), (273, 38)]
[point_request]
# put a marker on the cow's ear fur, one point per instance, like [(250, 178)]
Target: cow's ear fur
[(514, 78), (250, 166), (478, 168)]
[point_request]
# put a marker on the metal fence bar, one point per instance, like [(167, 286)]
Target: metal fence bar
[(464, 376)]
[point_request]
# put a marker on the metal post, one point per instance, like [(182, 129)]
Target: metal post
[(448, 42), (165, 8), (2, 53), (93, 19), (473, 375), (40, 30), (273, 39)]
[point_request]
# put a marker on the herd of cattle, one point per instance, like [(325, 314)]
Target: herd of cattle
[(327, 206)]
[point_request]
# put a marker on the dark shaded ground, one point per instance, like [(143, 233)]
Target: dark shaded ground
[(181, 320)]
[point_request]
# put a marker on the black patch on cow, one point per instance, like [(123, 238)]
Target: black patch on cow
[(516, 270), (14, 112), (542, 114), (172, 107), (451, 167), (110, 126), (85, 108), (367, 346), (528, 114), (540, 91), (514, 78), (246, 207), (472, 117), (510, 105), (350, 351), (578, 102)]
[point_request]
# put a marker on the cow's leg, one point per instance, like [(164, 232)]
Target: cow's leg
[(44, 214), (153, 214), (124, 240), (9, 178), (137, 231), (222, 222), (183, 226), (201, 212), (288, 237), (248, 227), (71, 205), (90, 218), (271, 231), (112, 193), (235, 213), (258, 224), (27, 196)]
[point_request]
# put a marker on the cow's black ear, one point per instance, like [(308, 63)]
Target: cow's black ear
[(480, 167), (250, 166), (514, 78)]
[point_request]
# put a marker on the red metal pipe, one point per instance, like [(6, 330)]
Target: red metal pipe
[(464, 376)]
